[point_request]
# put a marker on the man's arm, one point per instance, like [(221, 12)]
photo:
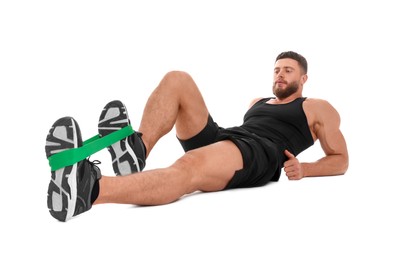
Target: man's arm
[(326, 127)]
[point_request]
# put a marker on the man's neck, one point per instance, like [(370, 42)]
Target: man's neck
[(286, 100)]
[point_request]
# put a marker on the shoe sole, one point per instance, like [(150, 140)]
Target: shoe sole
[(113, 118), (62, 190)]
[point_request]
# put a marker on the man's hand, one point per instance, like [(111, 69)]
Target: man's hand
[(292, 167)]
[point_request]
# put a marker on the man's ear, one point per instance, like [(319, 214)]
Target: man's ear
[(304, 78)]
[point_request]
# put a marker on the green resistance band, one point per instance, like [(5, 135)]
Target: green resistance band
[(90, 146)]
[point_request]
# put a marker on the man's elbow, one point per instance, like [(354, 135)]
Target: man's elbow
[(343, 165)]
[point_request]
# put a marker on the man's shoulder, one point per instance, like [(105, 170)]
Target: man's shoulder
[(318, 106), (255, 100), (316, 102)]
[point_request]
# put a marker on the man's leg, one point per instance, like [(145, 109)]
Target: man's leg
[(209, 168), (176, 101)]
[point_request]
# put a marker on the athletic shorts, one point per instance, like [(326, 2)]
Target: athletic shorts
[(261, 163)]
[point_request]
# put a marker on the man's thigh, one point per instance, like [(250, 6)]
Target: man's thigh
[(213, 166)]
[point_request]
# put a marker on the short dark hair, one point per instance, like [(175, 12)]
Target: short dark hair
[(295, 56)]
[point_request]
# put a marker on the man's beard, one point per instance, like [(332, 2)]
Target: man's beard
[(283, 93)]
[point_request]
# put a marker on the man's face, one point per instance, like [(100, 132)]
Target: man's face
[(287, 78)]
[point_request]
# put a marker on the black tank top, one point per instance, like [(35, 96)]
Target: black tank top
[(284, 124)]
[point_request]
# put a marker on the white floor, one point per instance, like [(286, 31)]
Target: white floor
[(72, 58)]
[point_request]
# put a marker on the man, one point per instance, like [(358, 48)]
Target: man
[(274, 132)]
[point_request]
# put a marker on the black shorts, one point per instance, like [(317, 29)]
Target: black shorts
[(261, 163)]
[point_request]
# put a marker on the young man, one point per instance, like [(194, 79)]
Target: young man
[(274, 132)]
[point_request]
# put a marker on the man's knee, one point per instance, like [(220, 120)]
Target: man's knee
[(177, 75), (179, 81), (188, 167), (187, 163)]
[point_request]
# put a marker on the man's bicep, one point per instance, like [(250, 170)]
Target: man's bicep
[(333, 143), (330, 136)]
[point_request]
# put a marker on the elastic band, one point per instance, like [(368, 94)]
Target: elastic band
[(90, 146)]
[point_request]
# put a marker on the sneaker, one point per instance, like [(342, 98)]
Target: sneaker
[(70, 188), (128, 154)]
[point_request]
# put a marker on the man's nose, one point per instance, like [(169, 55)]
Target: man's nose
[(280, 75)]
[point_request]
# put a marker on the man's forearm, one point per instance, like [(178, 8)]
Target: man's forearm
[(327, 166)]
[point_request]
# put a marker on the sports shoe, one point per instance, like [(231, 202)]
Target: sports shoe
[(128, 154), (70, 188)]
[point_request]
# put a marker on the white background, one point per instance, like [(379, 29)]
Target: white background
[(69, 58)]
